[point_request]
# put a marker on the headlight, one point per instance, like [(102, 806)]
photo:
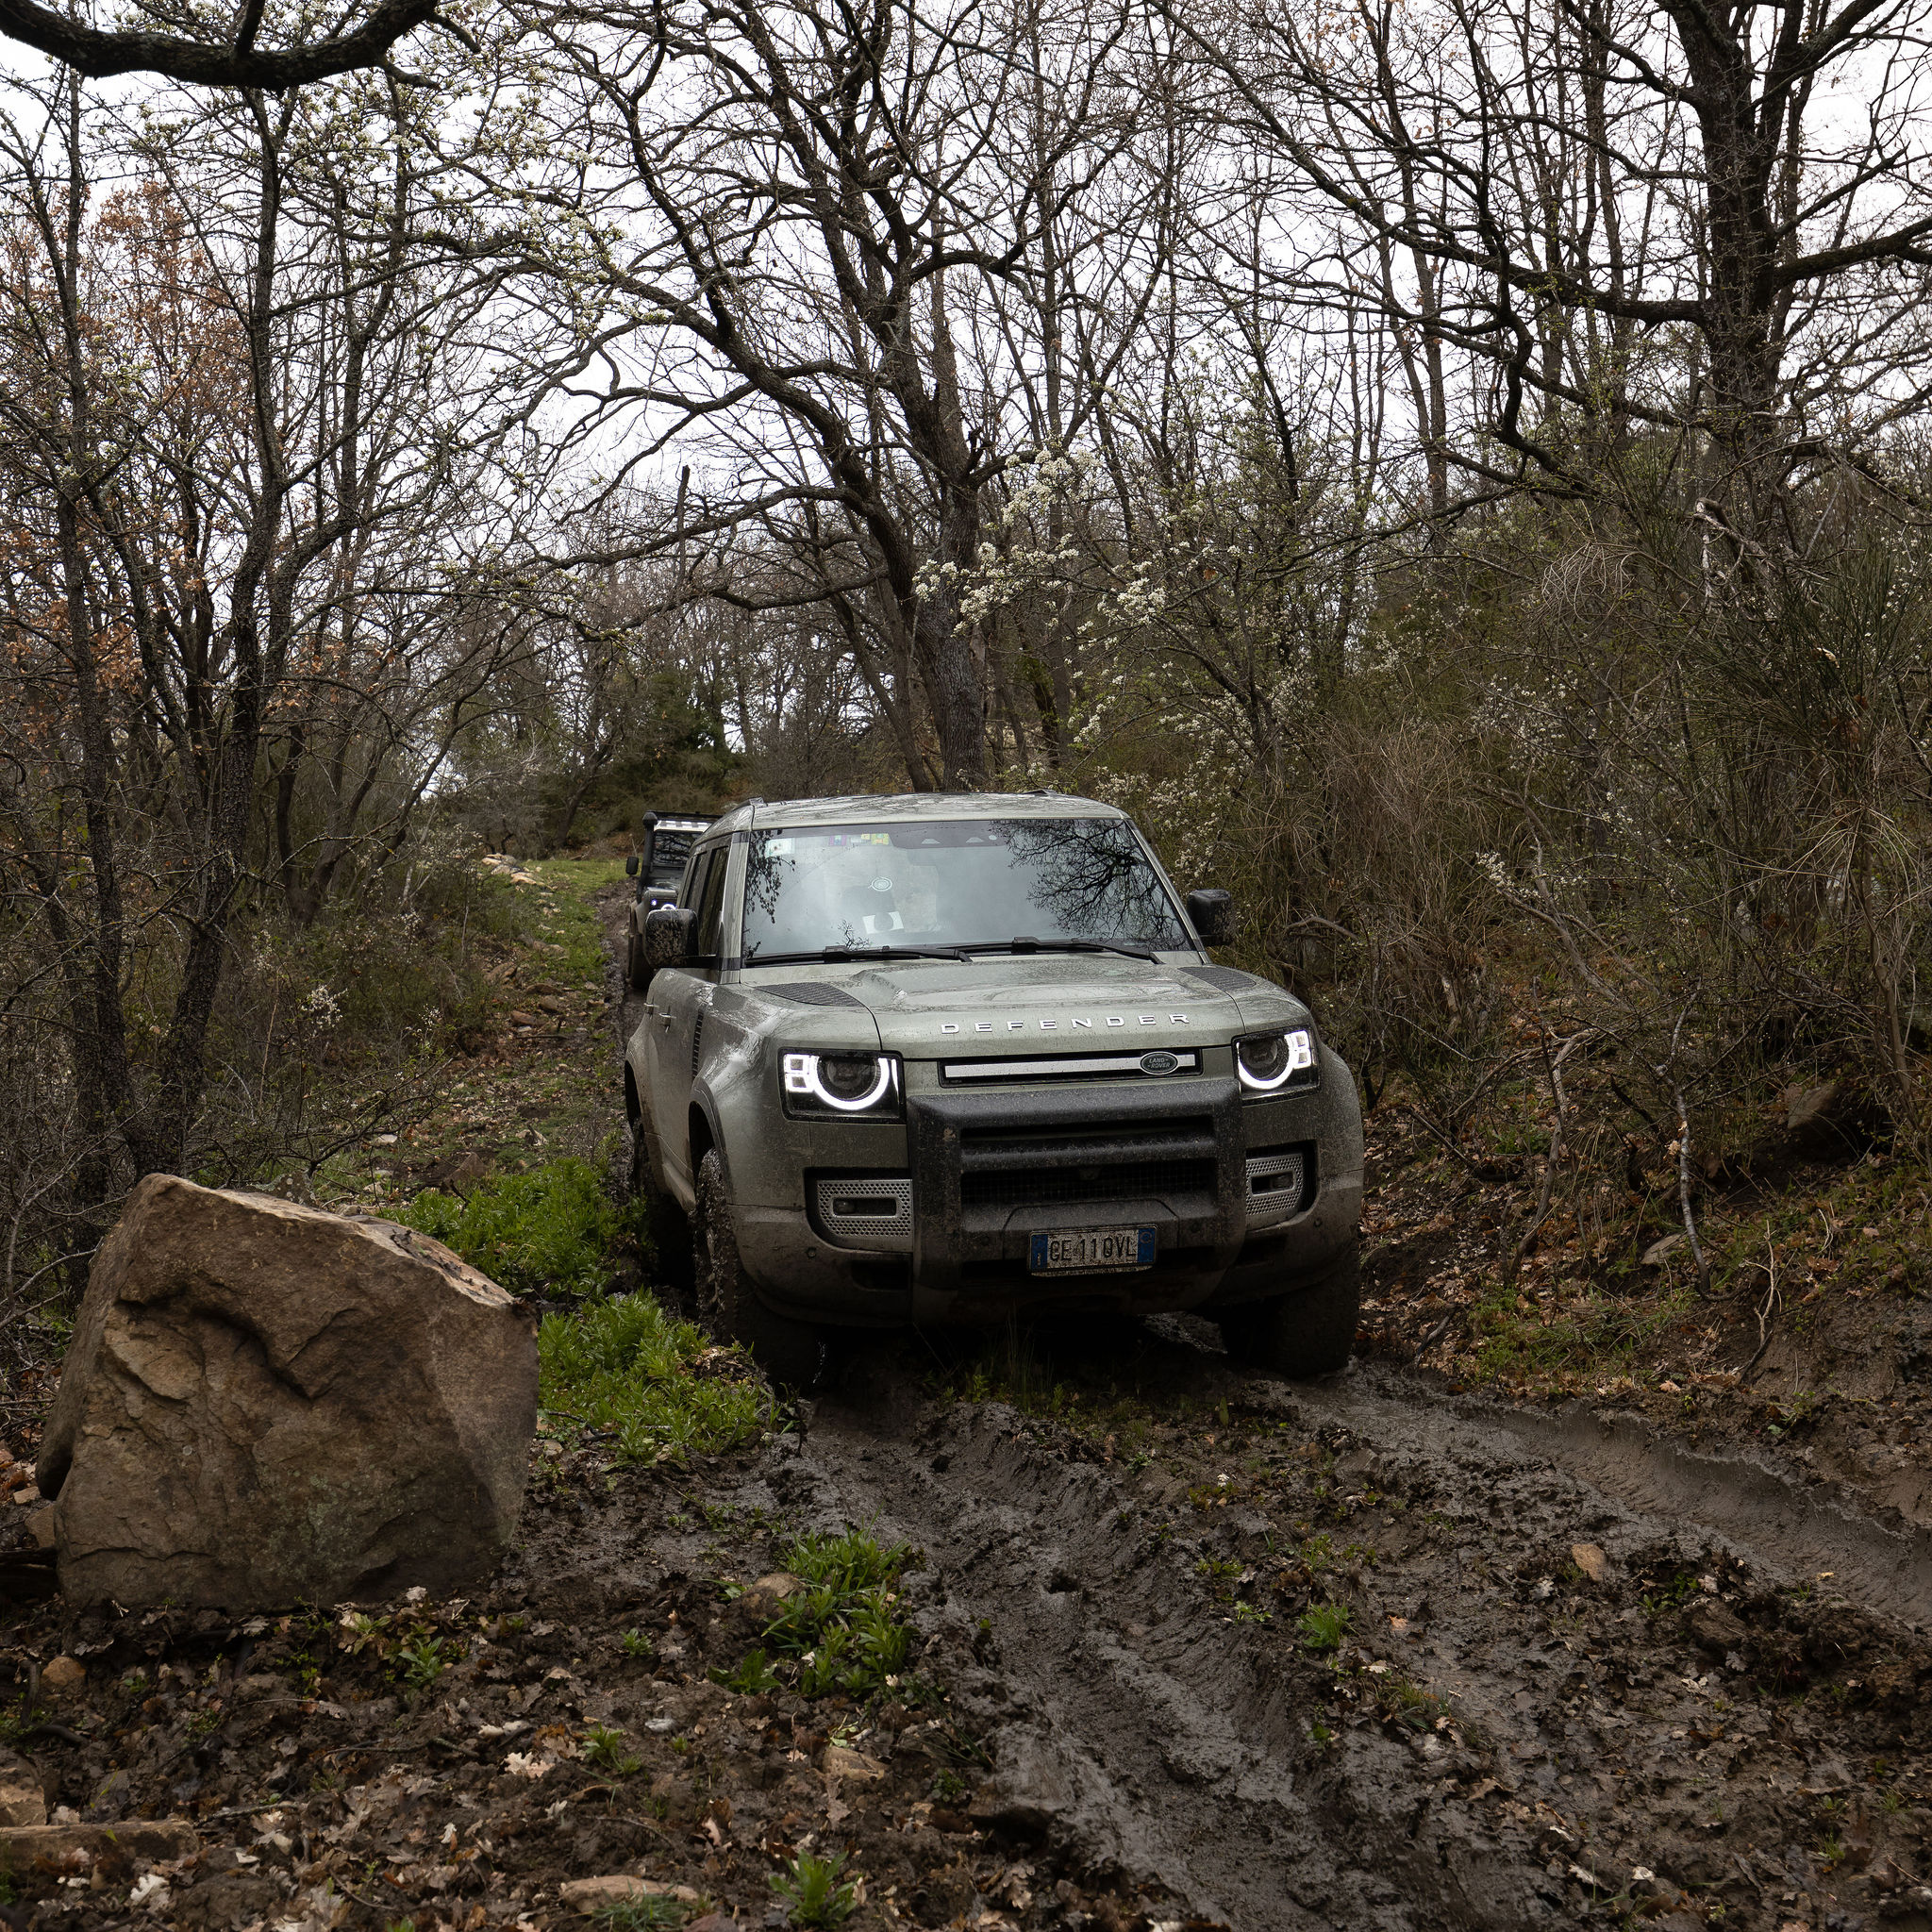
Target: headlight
[(843, 1085), (1274, 1063)]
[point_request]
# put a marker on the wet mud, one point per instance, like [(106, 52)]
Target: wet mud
[(1578, 1671)]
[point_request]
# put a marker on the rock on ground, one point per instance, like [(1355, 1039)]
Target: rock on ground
[(266, 1403)]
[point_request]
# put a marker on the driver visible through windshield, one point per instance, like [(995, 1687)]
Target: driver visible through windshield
[(967, 883)]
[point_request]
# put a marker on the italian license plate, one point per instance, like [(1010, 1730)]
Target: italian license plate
[(1091, 1250)]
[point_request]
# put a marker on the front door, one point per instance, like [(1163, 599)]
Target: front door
[(679, 996)]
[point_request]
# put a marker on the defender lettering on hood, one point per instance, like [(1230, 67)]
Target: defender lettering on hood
[(1049, 1026)]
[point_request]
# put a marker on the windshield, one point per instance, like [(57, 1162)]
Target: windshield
[(957, 883)]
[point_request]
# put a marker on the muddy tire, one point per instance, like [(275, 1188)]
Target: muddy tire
[(1309, 1331), (665, 1225), (636, 974), (791, 1353)]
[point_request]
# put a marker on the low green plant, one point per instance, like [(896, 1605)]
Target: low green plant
[(551, 1231), (658, 1385), (818, 1896), (753, 1677), (1323, 1626), (1408, 1705), (647, 1912), (636, 1645), (419, 1664), (844, 1628), (604, 1747)]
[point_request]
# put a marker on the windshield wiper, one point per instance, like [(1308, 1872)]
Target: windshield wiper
[(836, 956), (1024, 944)]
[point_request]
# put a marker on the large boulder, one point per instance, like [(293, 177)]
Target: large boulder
[(265, 1404)]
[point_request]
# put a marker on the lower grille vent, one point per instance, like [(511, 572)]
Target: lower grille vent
[(1130, 1180)]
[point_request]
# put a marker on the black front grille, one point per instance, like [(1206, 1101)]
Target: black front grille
[(1131, 1180), (1161, 1140)]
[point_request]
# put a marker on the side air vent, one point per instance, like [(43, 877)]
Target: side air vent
[(803, 993), (1228, 978), (697, 1044)]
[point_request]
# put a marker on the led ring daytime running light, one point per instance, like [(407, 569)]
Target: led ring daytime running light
[(802, 1076), (1301, 1057)]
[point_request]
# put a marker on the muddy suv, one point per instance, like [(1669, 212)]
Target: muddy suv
[(954, 1058), (656, 866)]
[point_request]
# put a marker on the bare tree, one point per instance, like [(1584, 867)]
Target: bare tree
[(1673, 256)]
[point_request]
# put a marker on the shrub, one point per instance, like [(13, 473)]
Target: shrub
[(549, 1232)]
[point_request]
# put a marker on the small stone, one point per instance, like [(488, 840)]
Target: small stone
[(842, 1761), (23, 1498), (1588, 1557), (1715, 1628), (22, 1803), (1819, 1113), (781, 1583), (63, 1675), (43, 1526)]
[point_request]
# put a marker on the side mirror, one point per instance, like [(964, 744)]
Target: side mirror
[(630, 866), (668, 936), (1212, 911)]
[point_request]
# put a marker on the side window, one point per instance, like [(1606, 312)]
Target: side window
[(709, 900), (693, 884)]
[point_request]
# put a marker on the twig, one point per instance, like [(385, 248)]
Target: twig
[(71, 1736), (1768, 1313), (1434, 1336), (253, 1810), (1553, 1070), (1683, 1152)]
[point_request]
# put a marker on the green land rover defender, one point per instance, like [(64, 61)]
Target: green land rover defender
[(951, 1058)]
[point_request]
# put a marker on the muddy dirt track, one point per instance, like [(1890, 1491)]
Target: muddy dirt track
[(1365, 1653)]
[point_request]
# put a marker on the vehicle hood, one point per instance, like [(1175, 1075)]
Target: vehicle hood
[(1002, 1004)]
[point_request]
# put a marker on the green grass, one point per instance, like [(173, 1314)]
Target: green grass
[(1323, 1626), (657, 1384), (548, 1232), (571, 919), (843, 1632), (813, 1887), (645, 1914), (605, 1747)]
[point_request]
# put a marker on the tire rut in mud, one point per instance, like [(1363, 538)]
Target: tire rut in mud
[(1501, 1742), (1153, 1735)]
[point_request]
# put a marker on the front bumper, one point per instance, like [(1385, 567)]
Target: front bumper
[(1189, 1157)]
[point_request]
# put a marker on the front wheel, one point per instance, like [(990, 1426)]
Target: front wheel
[(791, 1353), (637, 973), (1310, 1330)]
